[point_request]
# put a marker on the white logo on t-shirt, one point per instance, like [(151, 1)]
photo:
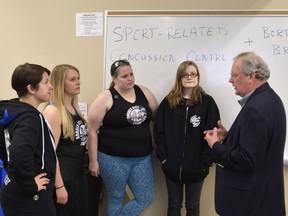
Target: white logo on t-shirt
[(195, 120), (81, 132), (136, 115)]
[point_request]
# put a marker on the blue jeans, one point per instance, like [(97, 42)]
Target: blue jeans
[(175, 197), (137, 173)]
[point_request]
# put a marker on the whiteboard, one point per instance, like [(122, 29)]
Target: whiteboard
[(156, 42)]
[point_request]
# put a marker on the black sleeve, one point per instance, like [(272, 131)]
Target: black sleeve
[(23, 148), (213, 116), (159, 132)]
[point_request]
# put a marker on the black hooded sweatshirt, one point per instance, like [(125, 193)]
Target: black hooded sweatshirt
[(180, 139), (26, 149)]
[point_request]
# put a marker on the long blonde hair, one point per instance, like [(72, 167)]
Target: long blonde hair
[(57, 79), (174, 97)]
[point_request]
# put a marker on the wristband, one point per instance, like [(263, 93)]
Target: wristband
[(59, 187)]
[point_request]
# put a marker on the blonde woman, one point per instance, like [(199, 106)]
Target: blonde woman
[(70, 132)]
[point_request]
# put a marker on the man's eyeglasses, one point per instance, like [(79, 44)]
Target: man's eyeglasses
[(117, 64), (187, 75)]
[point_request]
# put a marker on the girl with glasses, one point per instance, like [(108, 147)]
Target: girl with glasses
[(183, 115)]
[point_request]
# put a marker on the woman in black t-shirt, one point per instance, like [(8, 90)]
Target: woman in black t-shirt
[(70, 132), (123, 146)]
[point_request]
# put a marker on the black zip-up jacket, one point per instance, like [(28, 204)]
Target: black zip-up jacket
[(180, 140), (26, 149)]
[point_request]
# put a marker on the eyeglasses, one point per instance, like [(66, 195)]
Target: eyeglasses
[(186, 75), (117, 64), (234, 75)]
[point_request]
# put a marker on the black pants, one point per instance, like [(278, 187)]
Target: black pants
[(94, 193), (175, 197), (77, 198)]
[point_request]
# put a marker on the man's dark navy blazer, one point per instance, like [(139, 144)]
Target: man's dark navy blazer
[(249, 178)]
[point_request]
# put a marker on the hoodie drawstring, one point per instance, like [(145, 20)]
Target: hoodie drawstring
[(43, 142)]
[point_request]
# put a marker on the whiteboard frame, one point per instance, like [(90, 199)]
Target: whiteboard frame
[(127, 13)]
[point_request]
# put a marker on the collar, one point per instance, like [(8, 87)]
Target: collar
[(244, 99), (259, 89)]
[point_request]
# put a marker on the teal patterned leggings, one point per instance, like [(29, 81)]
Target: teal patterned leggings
[(116, 173)]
